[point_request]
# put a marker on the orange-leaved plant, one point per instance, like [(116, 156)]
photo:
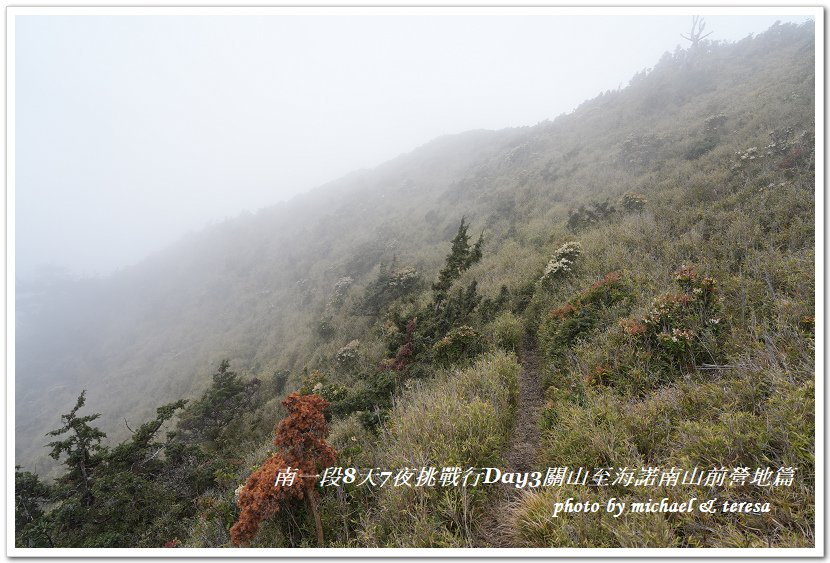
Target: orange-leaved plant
[(300, 438)]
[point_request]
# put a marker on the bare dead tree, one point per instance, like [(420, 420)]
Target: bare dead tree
[(696, 33)]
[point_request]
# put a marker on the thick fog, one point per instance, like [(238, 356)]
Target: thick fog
[(133, 130)]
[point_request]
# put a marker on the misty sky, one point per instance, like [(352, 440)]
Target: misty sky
[(133, 130)]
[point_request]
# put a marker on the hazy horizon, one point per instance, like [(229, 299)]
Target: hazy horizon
[(132, 131)]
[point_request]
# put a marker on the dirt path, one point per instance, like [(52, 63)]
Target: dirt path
[(524, 447), (524, 443)]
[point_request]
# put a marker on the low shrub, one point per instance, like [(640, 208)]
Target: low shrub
[(460, 345), (471, 410), (318, 383), (564, 325), (507, 332), (348, 355), (561, 263), (634, 202), (681, 329)]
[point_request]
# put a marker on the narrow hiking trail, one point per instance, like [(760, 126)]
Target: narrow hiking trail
[(522, 454), (524, 442)]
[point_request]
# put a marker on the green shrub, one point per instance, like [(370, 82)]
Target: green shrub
[(698, 147), (584, 217), (489, 308), (318, 383), (370, 398), (386, 288), (564, 325), (507, 332), (634, 202), (325, 329), (458, 346), (682, 329)]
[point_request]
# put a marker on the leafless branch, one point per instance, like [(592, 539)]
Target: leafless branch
[(696, 34)]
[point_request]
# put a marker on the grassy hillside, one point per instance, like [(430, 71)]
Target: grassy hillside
[(654, 247)]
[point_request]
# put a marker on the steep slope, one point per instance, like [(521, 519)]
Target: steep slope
[(255, 289)]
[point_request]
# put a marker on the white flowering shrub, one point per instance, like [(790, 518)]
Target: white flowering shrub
[(347, 355), (338, 294), (749, 154), (561, 263), (403, 280)]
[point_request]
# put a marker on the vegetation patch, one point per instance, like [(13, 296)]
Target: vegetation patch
[(472, 410)]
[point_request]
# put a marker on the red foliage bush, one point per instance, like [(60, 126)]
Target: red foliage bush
[(404, 355), (632, 327), (598, 375), (609, 279), (301, 439), (562, 312), (791, 158)]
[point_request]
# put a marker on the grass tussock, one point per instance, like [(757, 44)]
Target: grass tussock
[(460, 418)]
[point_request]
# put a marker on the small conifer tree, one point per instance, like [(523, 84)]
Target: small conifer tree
[(460, 258), (82, 449)]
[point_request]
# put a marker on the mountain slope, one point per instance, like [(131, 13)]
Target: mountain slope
[(261, 290)]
